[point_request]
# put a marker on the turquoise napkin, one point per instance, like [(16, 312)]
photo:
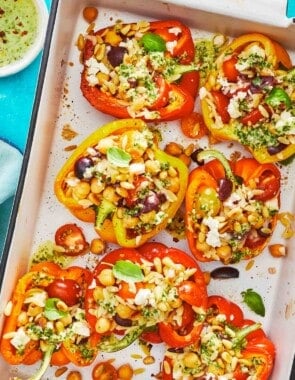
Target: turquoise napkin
[(10, 165), (291, 8)]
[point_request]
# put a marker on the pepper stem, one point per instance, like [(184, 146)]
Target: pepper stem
[(104, 210), (45, 363), (113, 344), (205, 154), (242, 333), (178, 70)]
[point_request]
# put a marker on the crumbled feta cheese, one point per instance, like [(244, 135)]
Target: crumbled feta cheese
[(170, 45), (245, 62), (142, 297), (232, 200), (81, 328), (92, 80), (160, 216), (175, 30), (37, 298), (213, 236), (234, 105), (137, 168), (203, 93), (286, 123), (20, 339)]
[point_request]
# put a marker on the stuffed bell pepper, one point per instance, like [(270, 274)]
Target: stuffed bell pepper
[(122, 182), (154, 292), (45, 319), (141, 70), (231, 207), (230, 347), (250, 97)]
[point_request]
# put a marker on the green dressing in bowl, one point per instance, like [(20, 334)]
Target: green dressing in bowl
[(18, 29)]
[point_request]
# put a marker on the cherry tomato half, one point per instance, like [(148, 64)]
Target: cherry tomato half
[(72, 239), (252, 117), (221, 103), (104, 371), (125, 292), (67, 290), (269, 182), (163, 96), (193, 126), (229, 69)]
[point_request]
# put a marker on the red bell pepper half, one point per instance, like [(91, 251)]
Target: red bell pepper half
[(144, 70), (153, 291), (231, 208), (46, 319), (229, 346)]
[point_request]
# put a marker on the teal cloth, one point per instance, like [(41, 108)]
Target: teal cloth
[(291, 8), (16, 102)]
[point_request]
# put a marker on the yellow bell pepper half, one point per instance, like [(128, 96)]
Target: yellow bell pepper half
[(119, 180), (250, 97)]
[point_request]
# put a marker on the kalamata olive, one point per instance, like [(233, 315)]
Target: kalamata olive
[(260, 83), (225, 188), (276, 149), (116, 54), (224, 273), (81, 165), (151, 203), (176, 350), (132, 82), (126, 322), (194, 157)]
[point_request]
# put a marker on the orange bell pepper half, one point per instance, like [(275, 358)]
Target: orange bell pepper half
[(44, 297), (222, 222), (251, 349)]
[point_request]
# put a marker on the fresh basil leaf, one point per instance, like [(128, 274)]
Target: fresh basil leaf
[(127, 271), (153, 42), (118, 157), (254, 301), (51, 311)]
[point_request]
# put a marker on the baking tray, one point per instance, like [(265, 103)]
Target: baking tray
[(37, 213)]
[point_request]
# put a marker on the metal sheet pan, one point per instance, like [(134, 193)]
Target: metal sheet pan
[(37, 214)]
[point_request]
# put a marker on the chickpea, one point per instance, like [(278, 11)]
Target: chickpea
[(224, 252), (186, 159), (102, 325), (174, 184), (98, 293), (173, 149), (74, 375), (90, 14), (191, 360), (124, 311), (125, 372), (81, 190), (106, 277), (97, 246)]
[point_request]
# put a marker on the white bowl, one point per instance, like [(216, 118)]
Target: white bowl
[(35, 48)]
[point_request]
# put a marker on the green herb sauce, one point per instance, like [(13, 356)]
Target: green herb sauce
[(18, 29)]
